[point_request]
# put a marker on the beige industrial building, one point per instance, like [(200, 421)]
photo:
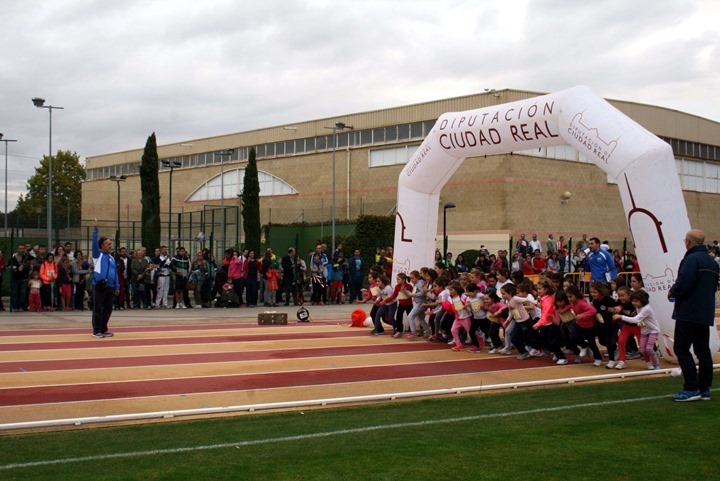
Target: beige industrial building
[(540, 191)]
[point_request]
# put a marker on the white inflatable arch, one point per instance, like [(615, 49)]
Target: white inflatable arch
[(642, 163)]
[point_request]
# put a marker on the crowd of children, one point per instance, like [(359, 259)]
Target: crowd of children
[(553, 318)]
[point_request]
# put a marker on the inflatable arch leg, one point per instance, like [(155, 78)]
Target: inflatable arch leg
[(643, 165)]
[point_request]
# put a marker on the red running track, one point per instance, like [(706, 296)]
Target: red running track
[(199, 358), (194, 385), (118, 342)]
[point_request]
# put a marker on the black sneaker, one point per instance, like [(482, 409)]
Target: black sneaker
[(98, 334), (107, 334)]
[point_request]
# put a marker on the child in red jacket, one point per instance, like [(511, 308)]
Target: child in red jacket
[(584, 325)]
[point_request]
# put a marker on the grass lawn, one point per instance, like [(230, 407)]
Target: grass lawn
[(626, 430)]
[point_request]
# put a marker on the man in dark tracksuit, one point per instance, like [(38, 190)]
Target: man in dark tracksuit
[(694, 314)]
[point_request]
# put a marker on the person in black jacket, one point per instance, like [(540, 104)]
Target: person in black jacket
[(288, 276), (20, 268), (694, 313)]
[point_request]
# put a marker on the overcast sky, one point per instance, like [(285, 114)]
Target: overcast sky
[(190, 69)]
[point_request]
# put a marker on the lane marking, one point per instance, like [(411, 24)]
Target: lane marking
[(323, 434)]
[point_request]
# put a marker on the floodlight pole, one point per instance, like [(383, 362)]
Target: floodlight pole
[(40, 103), (6, 180)]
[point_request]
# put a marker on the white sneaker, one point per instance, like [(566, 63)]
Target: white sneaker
[(535, 353), (620, 365), (177, 306), (650, 366), (506, 351), (577, 359), (198, 306), (451, 342), (610, 365), (583, 352), (561, 362), (597, 363), (494, 350)]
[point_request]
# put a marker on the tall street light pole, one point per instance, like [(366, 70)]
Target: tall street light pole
[(449, 205), (40, 103), (6, 177), (335, 128), (222, 154), (171, 164), (117, 180)]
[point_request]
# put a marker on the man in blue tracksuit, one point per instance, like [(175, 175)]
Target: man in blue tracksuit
[(600, 262), (694, 314), (105, 283)]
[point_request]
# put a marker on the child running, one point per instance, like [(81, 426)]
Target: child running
[(584, 325), (549, 325), (417, 313), (521, 336), (385, 310), (460, 308), (496, 312), (479, 325), (401, 296), (603, 304), (649, 326), (625, 308)]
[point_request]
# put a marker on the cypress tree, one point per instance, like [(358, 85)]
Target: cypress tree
[(150, 197), (251, 205)]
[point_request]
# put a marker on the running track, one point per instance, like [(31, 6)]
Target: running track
[(65, 373)]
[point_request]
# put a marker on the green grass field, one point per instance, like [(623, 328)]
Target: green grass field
[(628, 430)]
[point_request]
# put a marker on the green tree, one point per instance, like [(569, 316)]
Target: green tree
[(251, 205), (67, 175), (150, 199)]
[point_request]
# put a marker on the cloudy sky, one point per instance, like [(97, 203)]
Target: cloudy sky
[(190, 69)]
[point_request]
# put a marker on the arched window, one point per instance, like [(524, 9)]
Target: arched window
[(233, 180)]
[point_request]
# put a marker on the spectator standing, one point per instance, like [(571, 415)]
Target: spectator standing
[(121, 265), (48, 275), (163, 278), (34, 286), (300, 275), (535, 244), (236, 276), (521, 246), (288, 277), (79, 269), (550, 243), (356, 271), (20, 269), (138, 267), (251, 269), (65, 283), (180, 266), (694, 313), (200, 273)]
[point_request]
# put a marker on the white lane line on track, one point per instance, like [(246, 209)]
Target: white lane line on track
[(302, 437)]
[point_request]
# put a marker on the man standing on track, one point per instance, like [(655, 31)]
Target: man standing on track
[(105, 283), (694, 313)]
